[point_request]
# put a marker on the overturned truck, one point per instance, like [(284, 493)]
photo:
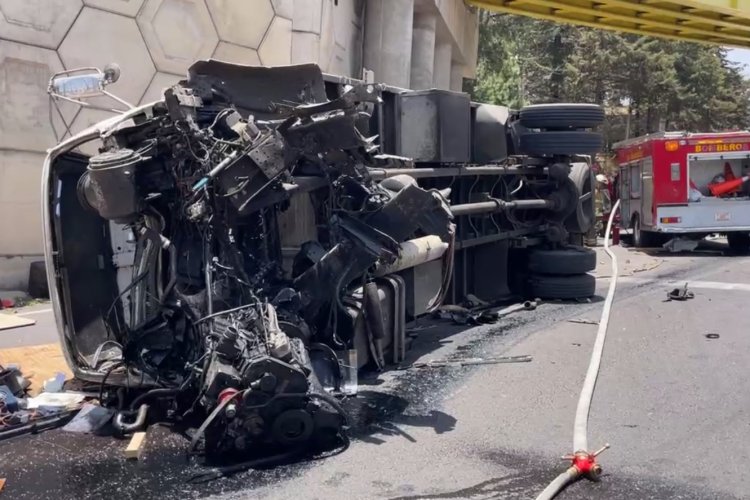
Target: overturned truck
[(235, 251)]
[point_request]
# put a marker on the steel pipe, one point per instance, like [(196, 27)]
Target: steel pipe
[(484, 207), (420, 173)]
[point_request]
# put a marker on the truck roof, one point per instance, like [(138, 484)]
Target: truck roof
[(678, 135)]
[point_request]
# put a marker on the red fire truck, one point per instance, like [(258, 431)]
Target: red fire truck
[(685, 184)]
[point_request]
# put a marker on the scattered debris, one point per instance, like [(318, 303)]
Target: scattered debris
[(8, 399), (135, 446), (54, 384), (680, 294), (712, 336), (56, 400), (463, 316), (680, 244), (583, 321), (473, 302), (90, 419), (469, 362), (21, 414), (14, 380)]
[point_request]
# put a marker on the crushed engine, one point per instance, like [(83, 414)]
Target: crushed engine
[(209, 316)]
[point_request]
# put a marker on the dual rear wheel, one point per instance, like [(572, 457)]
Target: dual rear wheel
[(562, 273)]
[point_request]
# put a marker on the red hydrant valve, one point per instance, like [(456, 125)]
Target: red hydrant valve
[(585, 462)]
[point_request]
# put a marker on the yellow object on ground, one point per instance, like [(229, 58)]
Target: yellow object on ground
[(720, 22), (37, 363), (136, 445)]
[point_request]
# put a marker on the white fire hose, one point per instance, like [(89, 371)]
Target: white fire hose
[(584, 462)]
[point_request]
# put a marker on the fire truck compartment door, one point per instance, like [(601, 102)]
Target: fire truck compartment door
[(647, 191), (702, 168), (710, 215)]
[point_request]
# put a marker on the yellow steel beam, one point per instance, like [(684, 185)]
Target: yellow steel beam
[(721, 22)]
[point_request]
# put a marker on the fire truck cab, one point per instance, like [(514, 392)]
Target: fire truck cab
[(685, 184)]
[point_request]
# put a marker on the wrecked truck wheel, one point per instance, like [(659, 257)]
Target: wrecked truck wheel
[(739, 242), (548, 286), (563, 142), (568, 115), (562, 261)]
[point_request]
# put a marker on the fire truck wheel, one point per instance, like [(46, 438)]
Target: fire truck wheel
[(577, 286), (562, 261), (582, 219), (739, 242), (563, 142), (641, 238), (556, 116)]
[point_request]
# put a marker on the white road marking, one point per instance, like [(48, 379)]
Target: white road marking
[(713, 285), (40, 311)]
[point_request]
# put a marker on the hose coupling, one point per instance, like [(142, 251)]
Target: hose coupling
[(585, 463)]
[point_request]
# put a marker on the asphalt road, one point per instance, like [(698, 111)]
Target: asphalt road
[(674, 405), (43, 331)]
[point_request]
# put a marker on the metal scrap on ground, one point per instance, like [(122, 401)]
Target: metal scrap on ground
[(680, 294)]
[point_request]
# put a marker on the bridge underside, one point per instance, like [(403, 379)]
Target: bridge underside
[(721, 22)]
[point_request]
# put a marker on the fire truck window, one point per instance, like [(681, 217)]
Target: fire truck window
[(675, 169), (635, 180)]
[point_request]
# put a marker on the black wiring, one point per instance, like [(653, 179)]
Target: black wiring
[(106, 376)]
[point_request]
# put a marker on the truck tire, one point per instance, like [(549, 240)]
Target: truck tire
[(582, 219), (739, 242), (562, 261), (641, 238), (557, 116), (564, 142), (577, 286), (38, 280)]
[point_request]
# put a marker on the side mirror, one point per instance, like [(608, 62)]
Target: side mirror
[(82, 83)]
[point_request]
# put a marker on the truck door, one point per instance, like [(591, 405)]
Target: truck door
[(624, 194), (647, 191), (633, 175)]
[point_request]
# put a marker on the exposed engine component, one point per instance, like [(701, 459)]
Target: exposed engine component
[(210, 316)]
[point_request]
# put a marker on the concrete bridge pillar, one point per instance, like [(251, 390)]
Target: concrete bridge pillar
[(423, 50), (442, 73), (388, 36)]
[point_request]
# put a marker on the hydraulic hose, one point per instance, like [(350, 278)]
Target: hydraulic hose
[(559, 483), (584, 463)]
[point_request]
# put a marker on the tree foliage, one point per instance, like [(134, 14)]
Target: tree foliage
[(646, 84)]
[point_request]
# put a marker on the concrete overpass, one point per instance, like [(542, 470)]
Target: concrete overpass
[(720, 22)]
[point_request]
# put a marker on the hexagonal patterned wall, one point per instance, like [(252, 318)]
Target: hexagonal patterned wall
[(37, 22), (98, 38), (177, 33), (239, 23)]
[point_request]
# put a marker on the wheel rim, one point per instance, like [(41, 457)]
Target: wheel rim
[(587, 198)]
